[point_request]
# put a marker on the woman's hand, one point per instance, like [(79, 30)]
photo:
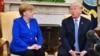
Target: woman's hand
[(34, 47), (29, 48)]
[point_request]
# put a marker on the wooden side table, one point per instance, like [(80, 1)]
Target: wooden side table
[(97, 30), (2, 43)]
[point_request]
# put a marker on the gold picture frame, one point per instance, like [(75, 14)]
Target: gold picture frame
[(98, 2)]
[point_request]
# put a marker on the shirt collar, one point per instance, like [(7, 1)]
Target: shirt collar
[(78, 19)]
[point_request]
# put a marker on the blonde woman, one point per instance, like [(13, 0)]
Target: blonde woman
[(25, 31)]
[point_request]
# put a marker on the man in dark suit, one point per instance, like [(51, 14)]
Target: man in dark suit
[(73, 33)]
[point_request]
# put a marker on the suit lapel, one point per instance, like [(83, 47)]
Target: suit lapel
[(31, 25), (72, 23), (81, 24), (72, 26), (25, 24)]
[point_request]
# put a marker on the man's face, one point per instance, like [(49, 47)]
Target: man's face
[(75, 11)]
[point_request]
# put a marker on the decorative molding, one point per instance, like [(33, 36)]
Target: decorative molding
[(40, 3)]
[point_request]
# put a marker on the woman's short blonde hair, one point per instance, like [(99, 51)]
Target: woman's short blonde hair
[(24, 7)]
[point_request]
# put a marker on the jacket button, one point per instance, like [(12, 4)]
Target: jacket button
[(31, 38), (30, 33)]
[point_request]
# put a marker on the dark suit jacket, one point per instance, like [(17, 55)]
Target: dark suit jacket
[(67, 34)]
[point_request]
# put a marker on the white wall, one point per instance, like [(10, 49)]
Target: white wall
[(15, 7)]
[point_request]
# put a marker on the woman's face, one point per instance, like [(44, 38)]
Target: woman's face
[(29, 13)]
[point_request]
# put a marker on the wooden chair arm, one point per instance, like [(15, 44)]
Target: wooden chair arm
[(46, 54), (5, 42)]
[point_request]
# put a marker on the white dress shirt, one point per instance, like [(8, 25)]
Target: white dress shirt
[(78, 20)]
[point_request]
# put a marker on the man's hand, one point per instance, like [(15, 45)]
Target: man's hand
[(72, 53), (83, 53)]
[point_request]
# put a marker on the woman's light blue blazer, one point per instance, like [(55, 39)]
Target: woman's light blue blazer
[(22, 36)]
